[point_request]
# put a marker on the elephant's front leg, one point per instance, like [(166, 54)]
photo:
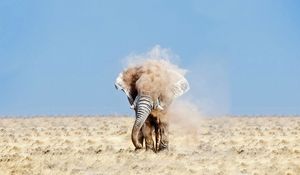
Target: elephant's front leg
[(147, 132), (164, 135)]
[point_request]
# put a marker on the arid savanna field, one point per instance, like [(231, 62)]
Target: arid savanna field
[(97, 145)]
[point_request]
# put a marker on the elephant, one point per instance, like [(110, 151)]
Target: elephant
[(150, 93)]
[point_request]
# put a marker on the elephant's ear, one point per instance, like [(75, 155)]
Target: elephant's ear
[(120, 85), (179, 84), (180, 87)]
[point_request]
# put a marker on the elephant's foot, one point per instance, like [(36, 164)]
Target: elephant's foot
[(138, 150), (163, 147), (150, 148)]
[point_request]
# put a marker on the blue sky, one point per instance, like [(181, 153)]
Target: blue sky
[(62, 57)]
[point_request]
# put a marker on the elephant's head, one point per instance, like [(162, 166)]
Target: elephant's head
[(144, 104)]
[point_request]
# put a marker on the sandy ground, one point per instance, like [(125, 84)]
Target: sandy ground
[(102, 145)]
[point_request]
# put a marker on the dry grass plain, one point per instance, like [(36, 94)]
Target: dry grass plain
[(102, 145)]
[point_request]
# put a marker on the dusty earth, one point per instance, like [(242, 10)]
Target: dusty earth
[(101, 145)]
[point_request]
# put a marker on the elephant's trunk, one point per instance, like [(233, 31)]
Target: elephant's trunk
[(144, 105)]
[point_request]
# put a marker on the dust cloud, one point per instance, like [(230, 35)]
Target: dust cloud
[(154, 73)]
